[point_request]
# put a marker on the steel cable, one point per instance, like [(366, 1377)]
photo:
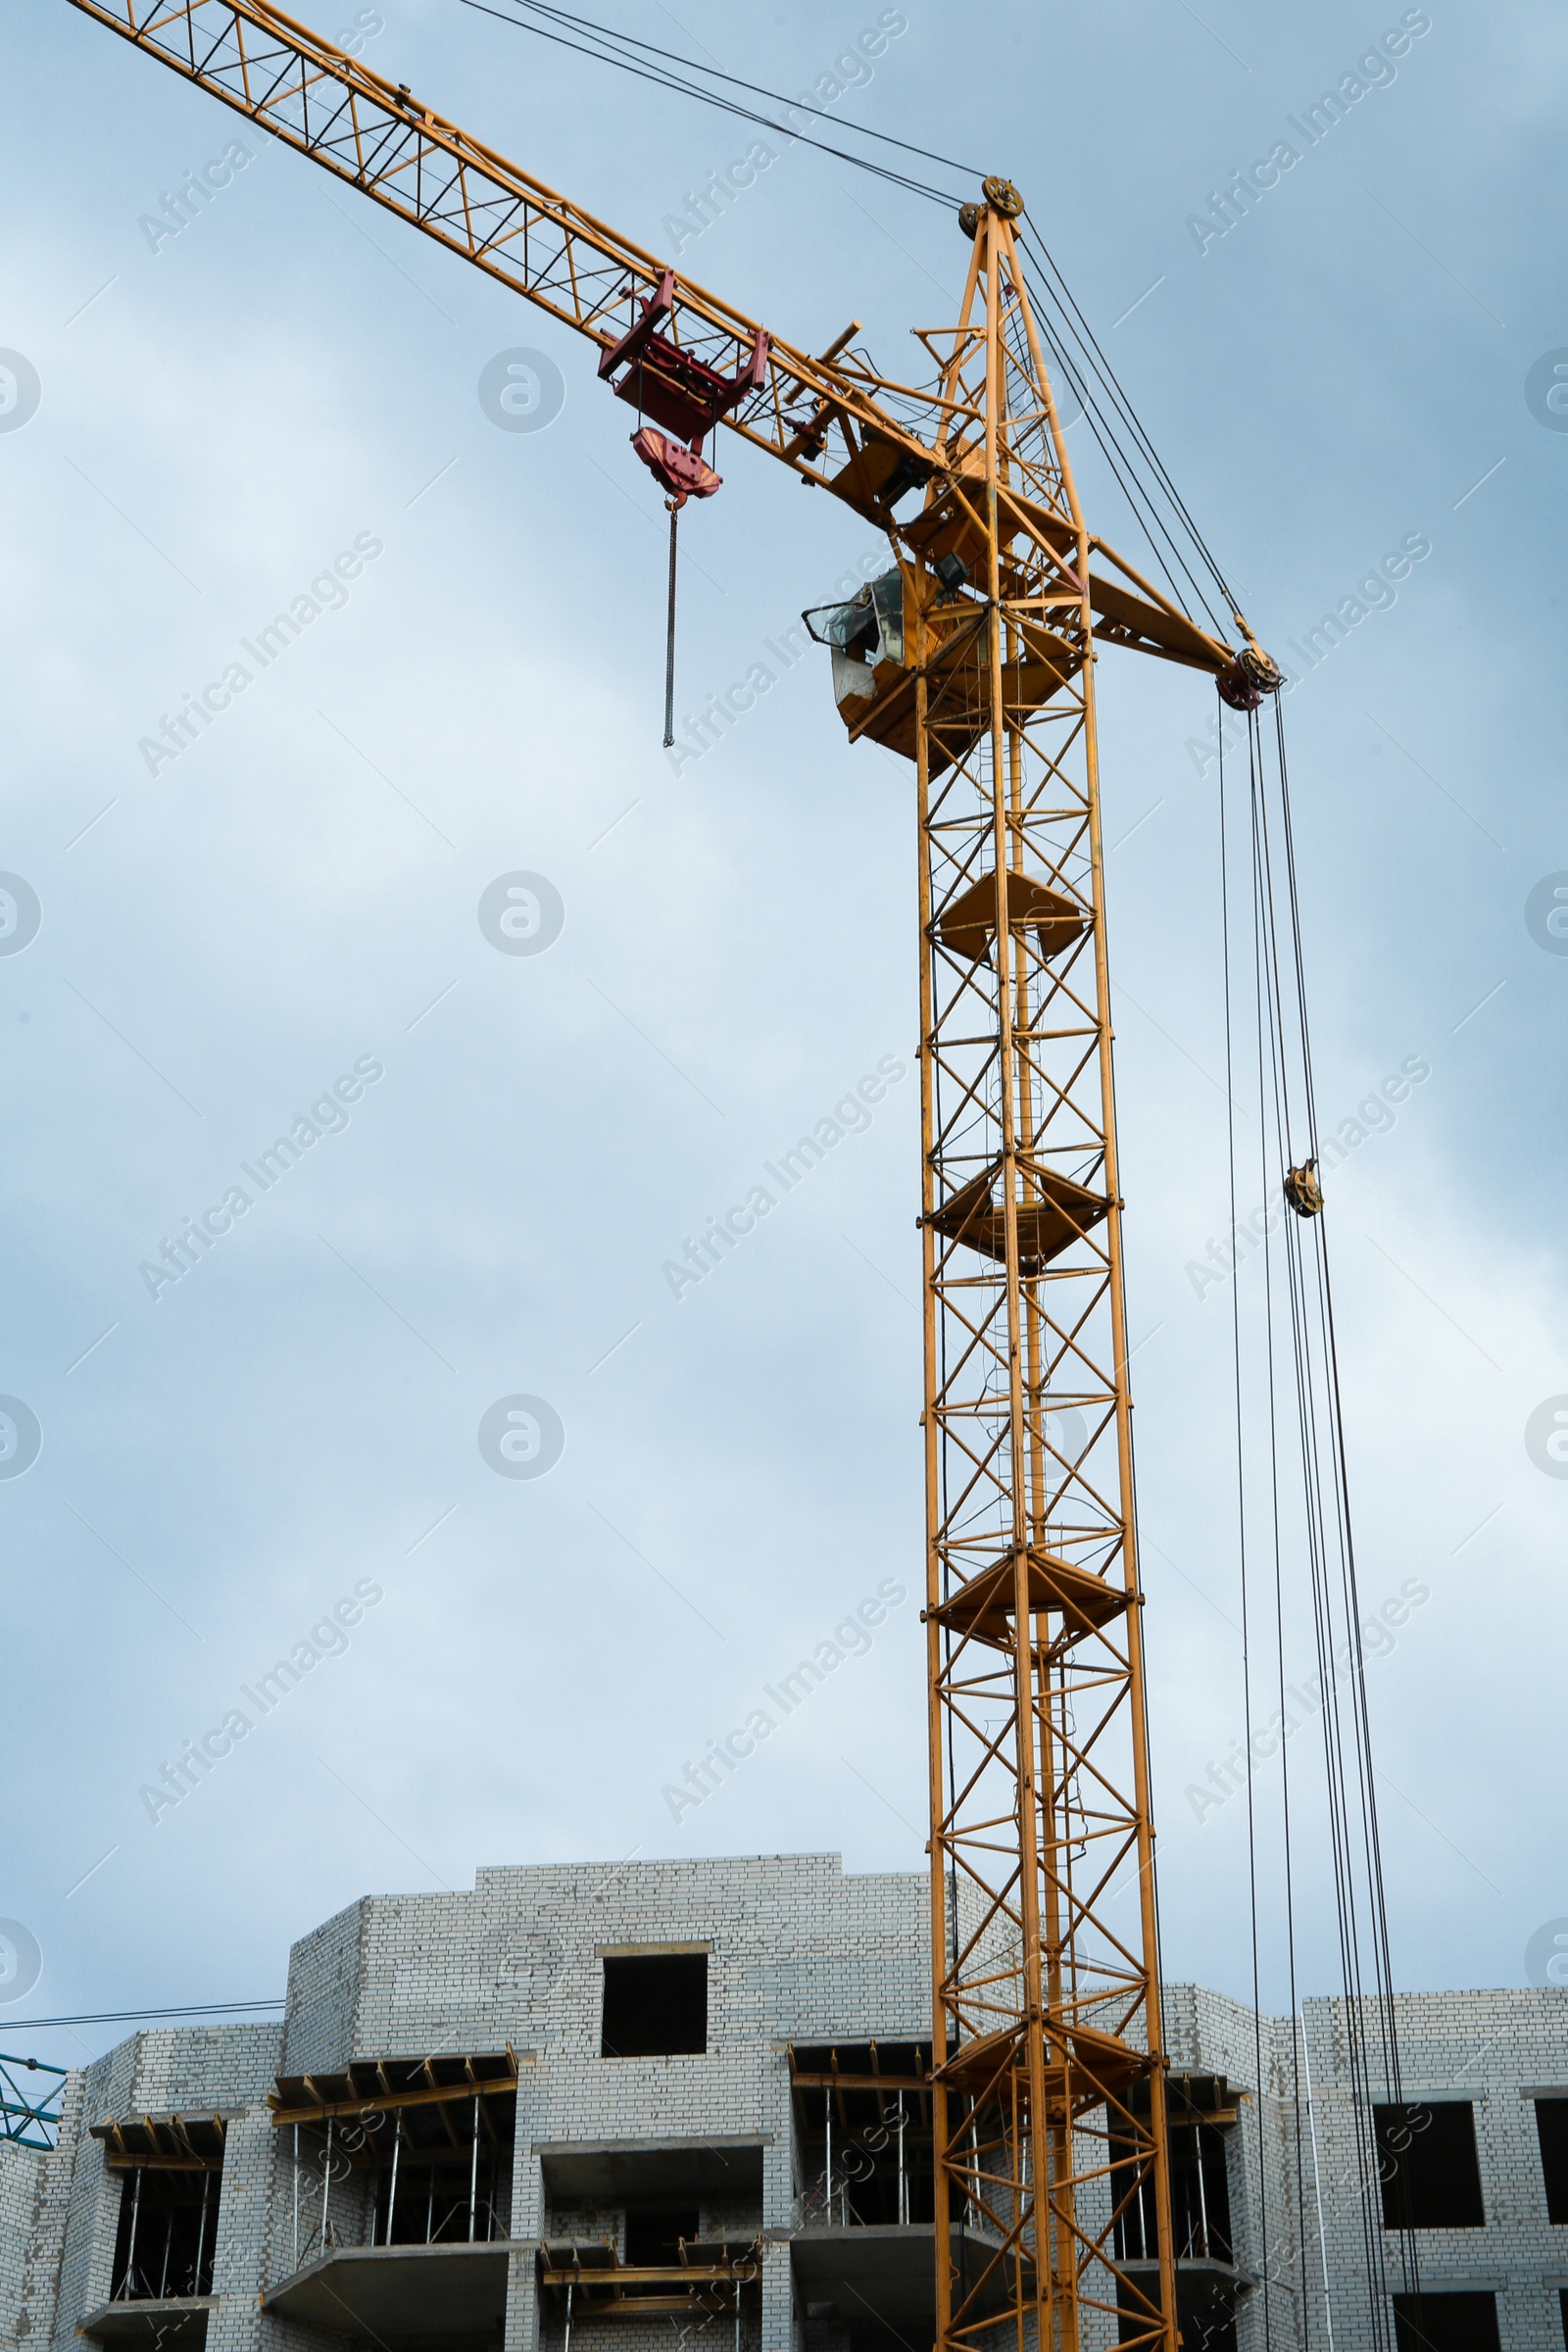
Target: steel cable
[(1124, 408), (609, 56), (1286, 1109), (1157, 508), (627, 40)]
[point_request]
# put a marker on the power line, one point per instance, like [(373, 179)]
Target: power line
[(124, 2016)]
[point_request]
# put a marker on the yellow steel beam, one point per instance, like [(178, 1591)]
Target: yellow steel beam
[(383, 2104)]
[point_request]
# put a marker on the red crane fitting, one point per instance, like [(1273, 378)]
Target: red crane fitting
[(680, 472), (677, 390)]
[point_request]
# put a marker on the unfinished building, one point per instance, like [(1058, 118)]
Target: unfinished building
[(682, 2104)]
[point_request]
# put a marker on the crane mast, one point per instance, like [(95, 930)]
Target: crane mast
[(973, 658), (1049, 2108)]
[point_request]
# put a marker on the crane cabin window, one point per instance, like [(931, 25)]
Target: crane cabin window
[(654, 2005)]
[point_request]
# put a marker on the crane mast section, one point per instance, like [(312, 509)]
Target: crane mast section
[(1052, 2199)]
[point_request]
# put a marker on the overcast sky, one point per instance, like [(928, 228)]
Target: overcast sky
[(296, 900)]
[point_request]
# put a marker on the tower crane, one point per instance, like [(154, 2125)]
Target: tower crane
[(972, 658)]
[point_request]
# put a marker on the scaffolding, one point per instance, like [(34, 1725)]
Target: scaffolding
[(399, 2151)]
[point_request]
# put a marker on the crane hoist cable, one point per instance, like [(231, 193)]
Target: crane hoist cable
[(1286, 1375), (715, 367), (1135, 464)]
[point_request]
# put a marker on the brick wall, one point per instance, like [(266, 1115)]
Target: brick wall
[(797, 1952)]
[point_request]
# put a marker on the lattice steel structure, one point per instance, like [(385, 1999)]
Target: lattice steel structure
[(972, 658), (1043, 1908), (29, 2109)]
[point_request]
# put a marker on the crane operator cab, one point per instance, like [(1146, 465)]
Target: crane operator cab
[(863, 635), (874, 638), (877, 638)]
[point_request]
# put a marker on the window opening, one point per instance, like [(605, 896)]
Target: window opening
[(1428, 2166), (655, 2234), (656, 2006), (1446, 2322), (1551, 2130)]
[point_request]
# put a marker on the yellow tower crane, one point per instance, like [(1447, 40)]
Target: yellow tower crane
[(972, 658)]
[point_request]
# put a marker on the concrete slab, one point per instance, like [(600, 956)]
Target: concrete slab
[(884, 2273), (172, 2320), (607, 2171), (401, 2296)]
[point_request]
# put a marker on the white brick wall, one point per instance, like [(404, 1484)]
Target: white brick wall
[(798, 1952), (20, 2181)]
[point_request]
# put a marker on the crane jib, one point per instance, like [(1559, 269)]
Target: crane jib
[(834, 419)]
